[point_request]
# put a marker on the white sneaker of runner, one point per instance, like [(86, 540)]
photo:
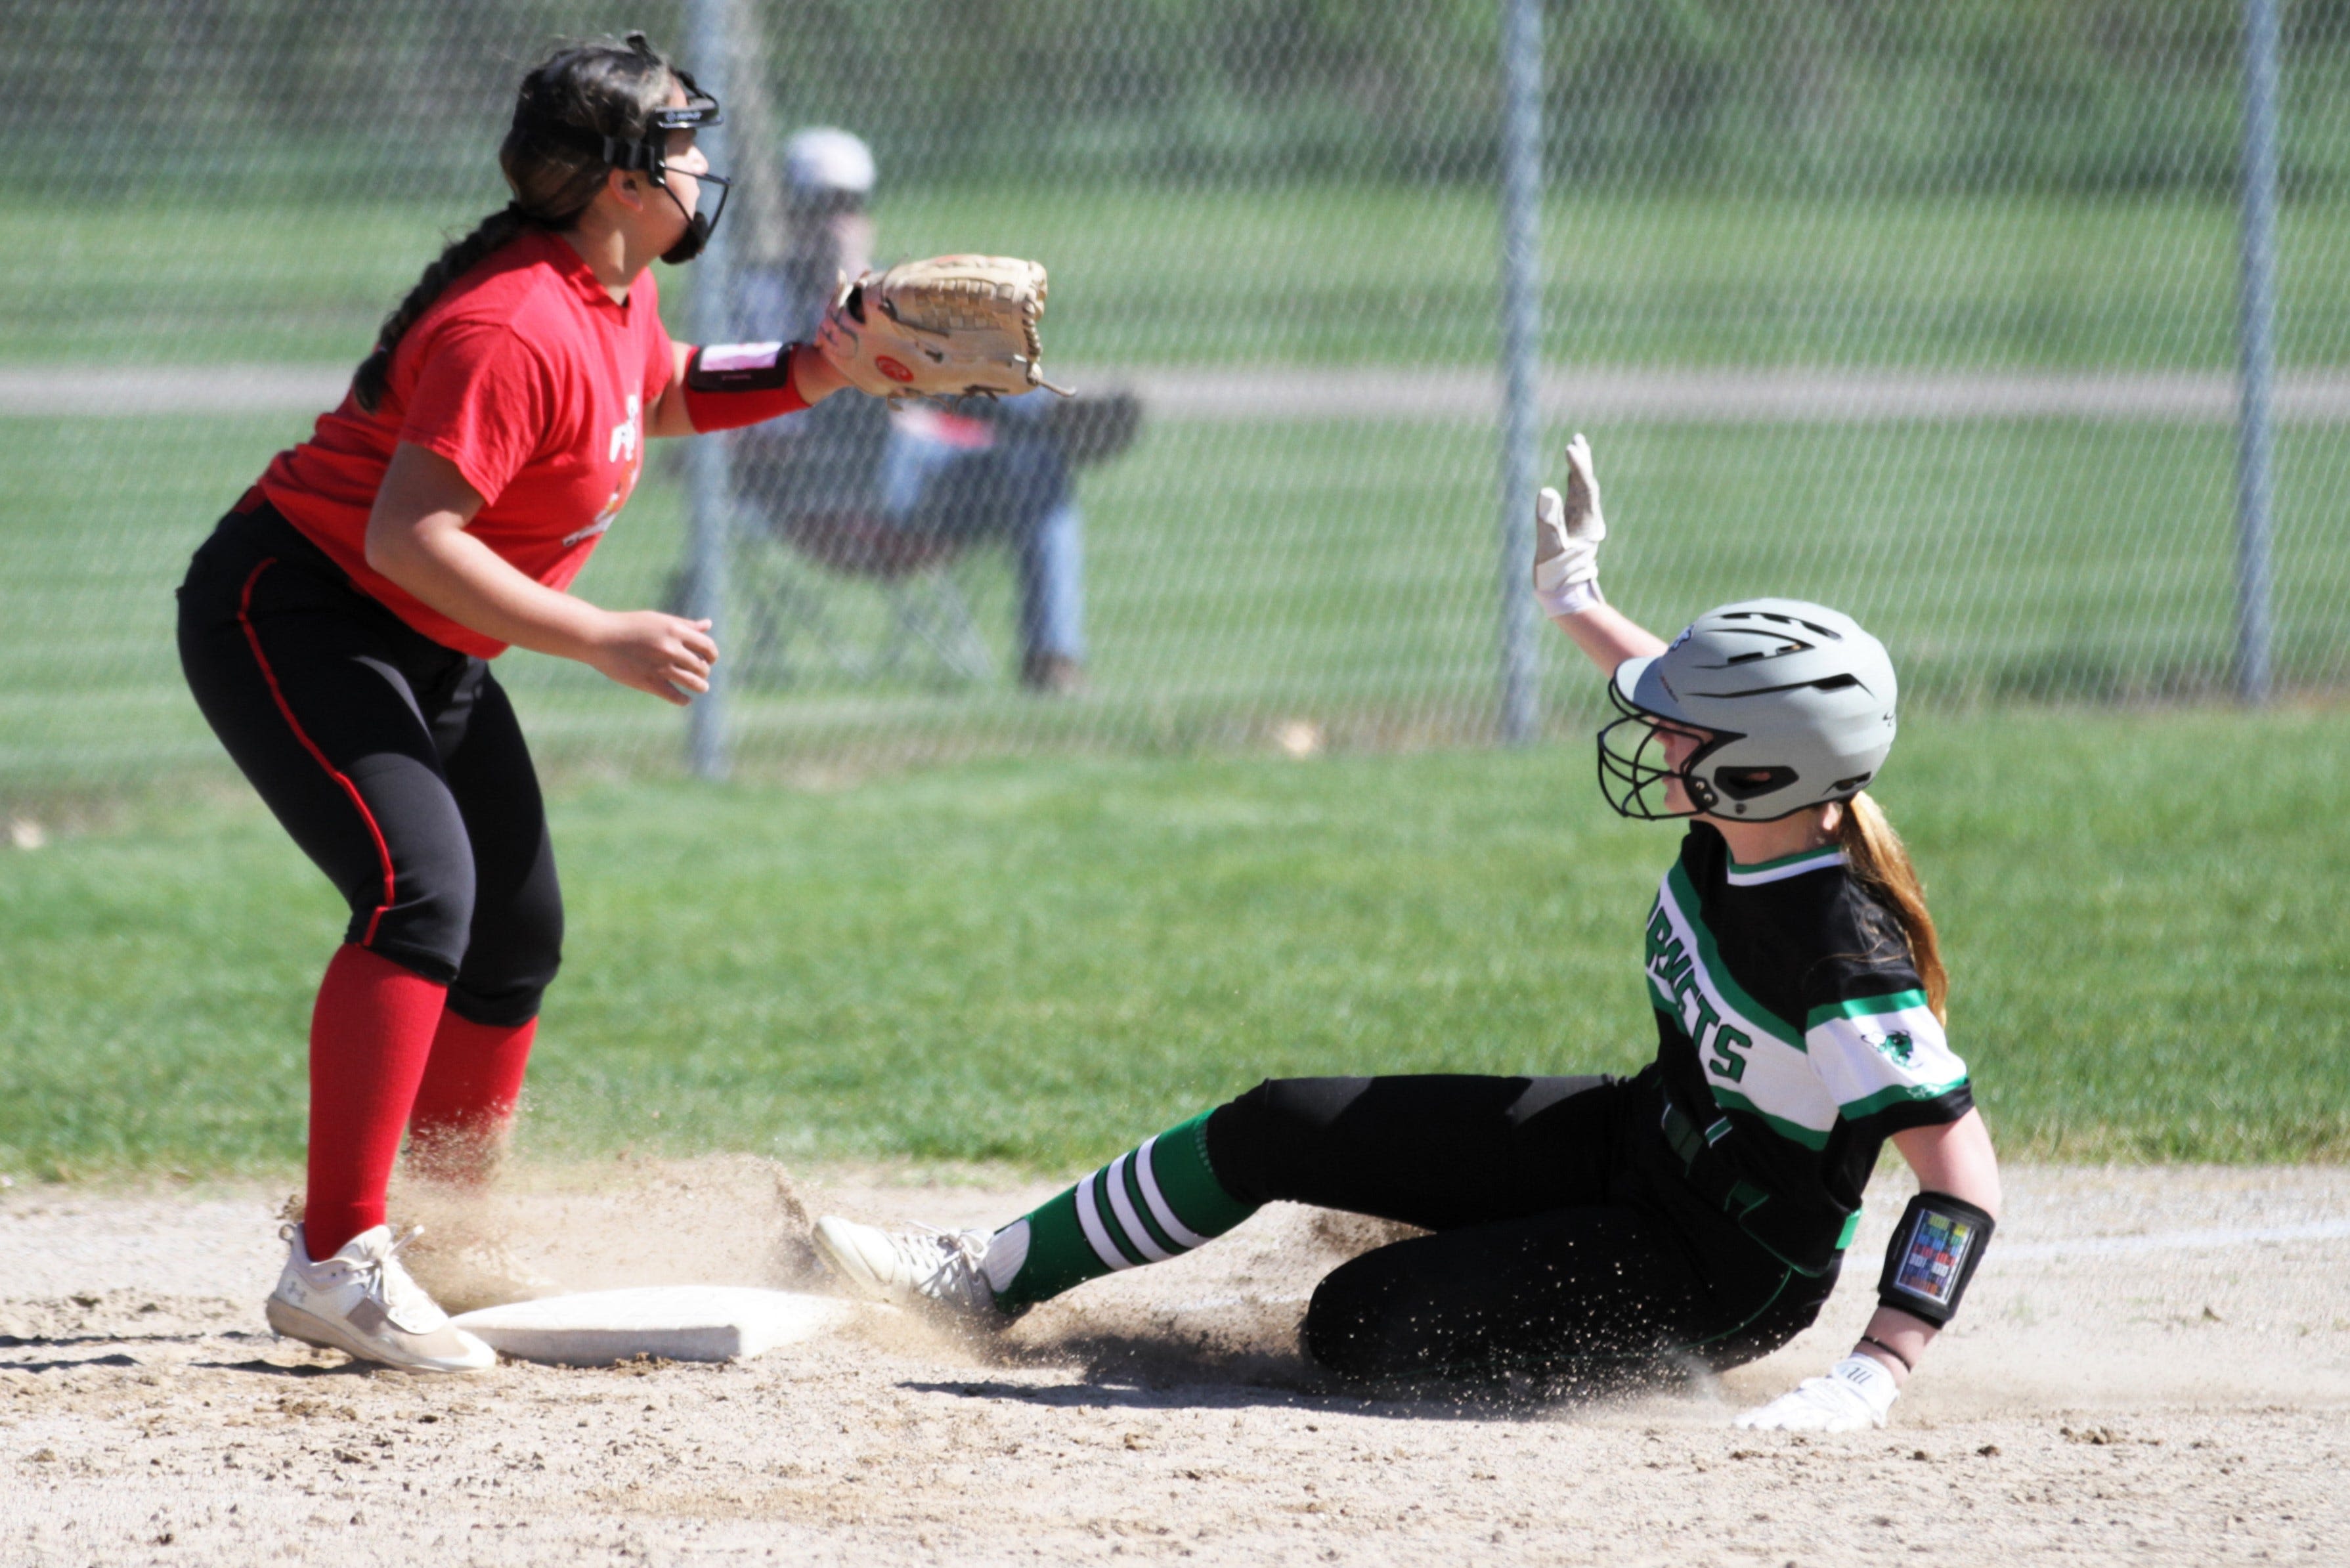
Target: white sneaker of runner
[(938, 1272), (362, 1303)]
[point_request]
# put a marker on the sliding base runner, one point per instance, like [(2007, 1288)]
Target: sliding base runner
[(1149, 1204), (1591, 1231)]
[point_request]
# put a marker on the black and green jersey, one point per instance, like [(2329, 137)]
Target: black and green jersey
[(1794, 1036)]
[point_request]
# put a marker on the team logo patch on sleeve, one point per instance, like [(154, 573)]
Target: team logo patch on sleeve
[(1898, 1044)]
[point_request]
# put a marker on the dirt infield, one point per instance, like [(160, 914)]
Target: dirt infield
[(2154, 1366)]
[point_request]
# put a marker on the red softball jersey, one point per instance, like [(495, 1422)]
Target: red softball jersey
[(528, 377)]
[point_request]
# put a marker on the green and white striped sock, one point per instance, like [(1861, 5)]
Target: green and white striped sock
[(1155, 1202)]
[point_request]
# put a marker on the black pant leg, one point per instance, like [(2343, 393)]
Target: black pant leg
[(1587, 1294), (1438, 1150), (311, 694), (1553, 1251), (515, 942)]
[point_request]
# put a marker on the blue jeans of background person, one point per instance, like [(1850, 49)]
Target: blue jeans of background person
[(1017, 490)]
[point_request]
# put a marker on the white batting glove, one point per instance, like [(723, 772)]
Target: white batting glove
[(1853, 1397), (1568, 531)]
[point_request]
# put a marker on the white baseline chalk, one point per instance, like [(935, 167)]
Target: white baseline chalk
[(2176, 1241)]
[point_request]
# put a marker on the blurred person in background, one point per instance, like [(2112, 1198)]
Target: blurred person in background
[(878, 490)]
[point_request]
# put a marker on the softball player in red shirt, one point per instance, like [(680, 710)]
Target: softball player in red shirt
[(337, 628)]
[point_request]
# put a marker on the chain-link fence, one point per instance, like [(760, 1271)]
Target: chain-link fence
[(1927, 311)]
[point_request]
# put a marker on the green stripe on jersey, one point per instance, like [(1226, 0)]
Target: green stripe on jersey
[(1795, 1131), (1710, 955), (1865, 1007)]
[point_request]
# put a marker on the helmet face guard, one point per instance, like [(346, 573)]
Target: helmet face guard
[(1635, 785)]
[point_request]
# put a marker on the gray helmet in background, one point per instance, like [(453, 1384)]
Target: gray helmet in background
[(1797, 698), (827, 165)]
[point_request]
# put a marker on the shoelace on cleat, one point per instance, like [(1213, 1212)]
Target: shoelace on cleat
[(388, 1280), (953, 1270)]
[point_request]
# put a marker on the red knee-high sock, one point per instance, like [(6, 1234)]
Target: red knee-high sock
[(466, 1102), (370, 1036)]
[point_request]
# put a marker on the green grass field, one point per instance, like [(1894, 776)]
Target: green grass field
[(1037, 961), (1323, 274), (1242, 575), (1034, 957)]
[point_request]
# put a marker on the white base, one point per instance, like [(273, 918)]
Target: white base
[(677, 1323)]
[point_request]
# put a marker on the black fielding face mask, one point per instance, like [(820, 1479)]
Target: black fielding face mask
[(651, 156), (699, 225)]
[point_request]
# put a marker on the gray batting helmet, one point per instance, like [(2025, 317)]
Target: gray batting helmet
[(825, 160), (1796, 701)]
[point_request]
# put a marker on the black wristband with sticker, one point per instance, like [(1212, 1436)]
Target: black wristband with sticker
[(1932, 1255)]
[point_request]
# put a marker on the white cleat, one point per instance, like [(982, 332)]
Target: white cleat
[(362, 1303), (939, 1273)]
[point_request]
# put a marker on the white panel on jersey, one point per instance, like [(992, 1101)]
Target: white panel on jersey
[(1786, 866), (1880, 1051)]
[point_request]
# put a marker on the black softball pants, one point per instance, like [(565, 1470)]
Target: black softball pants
[(395, 763), (1554, 1253)]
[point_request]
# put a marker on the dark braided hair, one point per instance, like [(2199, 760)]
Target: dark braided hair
[(608, 88)]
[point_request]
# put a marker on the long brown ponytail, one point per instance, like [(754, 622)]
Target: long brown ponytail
[(609, 88), (1875, 855)]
